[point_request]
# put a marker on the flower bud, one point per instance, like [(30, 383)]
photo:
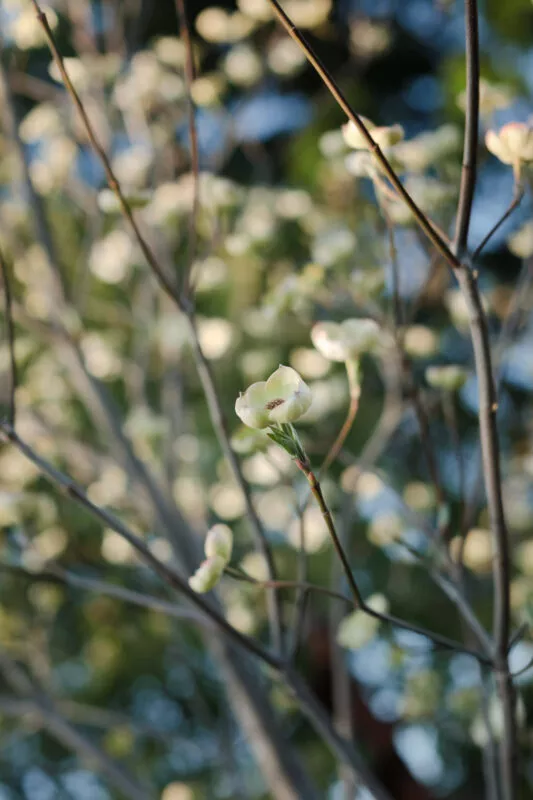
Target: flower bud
[(219, 542), (207, 575)]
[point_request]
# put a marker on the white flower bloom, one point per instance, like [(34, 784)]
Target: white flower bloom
[(346, 341), (207, 575), (513, 144), (451, 378), (284, 397), (384, 137), (219, 542)]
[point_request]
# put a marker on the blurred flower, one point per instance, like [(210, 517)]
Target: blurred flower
[(215, 24), (26, 30), (332, 245), (478, 550), (285, 58), (243, 66), (332, 143), (284, 397), (513, 144), (428, 148), (429, 194), (521, 242), (385, 529), (248, 440), (347, 340), (111, 257), (384, 137), (42, 122), (492, 97), (420, 341), (207, 90), (216, 336), (369, 38), (451, 377), (131, 165), (359, 628), (76, 70), (171, 51)]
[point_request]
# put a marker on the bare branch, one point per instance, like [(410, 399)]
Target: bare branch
[(469, 167), (10, 335), (383, 162), (185, 36)]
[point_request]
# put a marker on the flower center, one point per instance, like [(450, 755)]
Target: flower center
[(275, 403)]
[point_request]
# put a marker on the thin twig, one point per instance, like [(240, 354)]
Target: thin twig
[(165, 572), (518, 194), (321, 722), (66, 733), (189, 71), (331, 84), (354, 384), (98, 148), (55, 573), (220, 425), (441, 641), (469, 166), (10, 334), (202, 365)]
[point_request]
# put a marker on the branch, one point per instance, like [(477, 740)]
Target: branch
[(172, 578), (64, 731), (518, 194), (56, 574), (219, 422), (488, 406), (202, 365), (112, 181), (469, 166), (10, 333), (185, 36), (383, 162)]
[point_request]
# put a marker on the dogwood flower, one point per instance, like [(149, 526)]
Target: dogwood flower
[(346, 341), (207, 575), (513, 144), (383, 136), (283, 398)]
